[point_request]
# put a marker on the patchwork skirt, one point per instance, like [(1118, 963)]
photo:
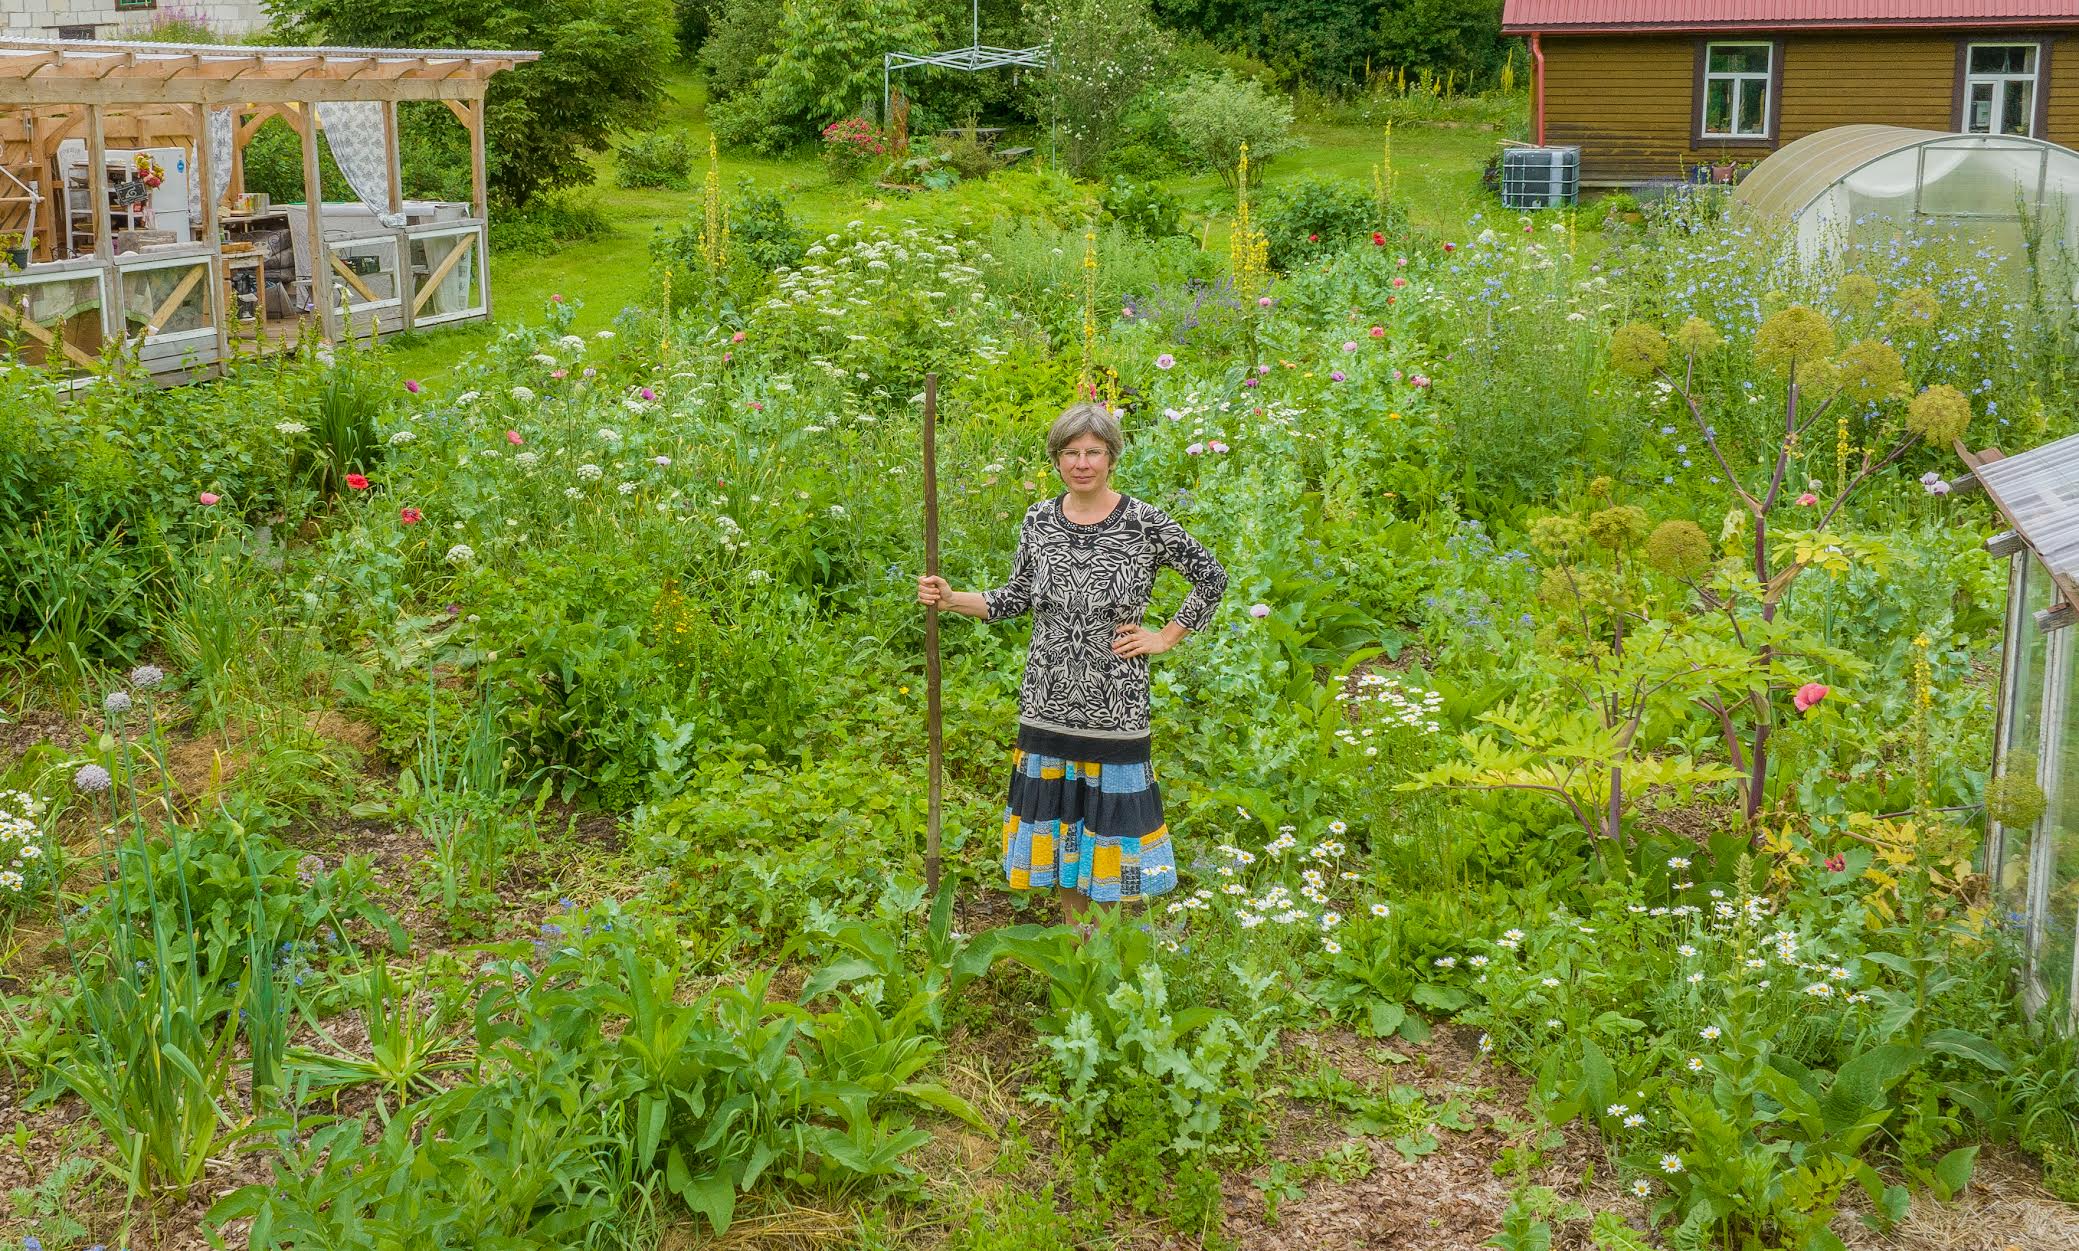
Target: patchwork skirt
[(1086, 826)]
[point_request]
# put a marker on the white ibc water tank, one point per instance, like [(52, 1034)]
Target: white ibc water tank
[(1538, 178)]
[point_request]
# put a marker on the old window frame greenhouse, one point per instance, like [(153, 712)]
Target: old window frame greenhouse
[(2033, 867)]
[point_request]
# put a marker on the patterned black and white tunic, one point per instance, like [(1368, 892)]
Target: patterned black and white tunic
[(1080, 582)]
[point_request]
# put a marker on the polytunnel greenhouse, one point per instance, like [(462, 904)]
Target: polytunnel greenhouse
[(2032, 804), (1854, 184)]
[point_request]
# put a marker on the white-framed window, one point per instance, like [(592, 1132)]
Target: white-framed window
[(1999, 88), (1737, 89)]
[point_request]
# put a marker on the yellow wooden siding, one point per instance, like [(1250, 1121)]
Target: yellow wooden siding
[(2064, 92), (1629, 100)]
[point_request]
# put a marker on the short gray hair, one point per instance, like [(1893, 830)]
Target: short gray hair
[(1078, 420)]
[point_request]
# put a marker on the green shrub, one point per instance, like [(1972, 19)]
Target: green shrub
[(733, 58), (661, 158), (1215, 115), (1101, 54), (1314, 217), (1145, 208), (548, 223)]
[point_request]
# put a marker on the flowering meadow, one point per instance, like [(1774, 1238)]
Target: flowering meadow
[(487, 810)]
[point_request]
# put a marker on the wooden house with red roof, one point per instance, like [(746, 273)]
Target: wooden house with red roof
[(1652, 89)]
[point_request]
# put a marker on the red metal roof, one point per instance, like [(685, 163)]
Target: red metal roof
[(1522, 17)]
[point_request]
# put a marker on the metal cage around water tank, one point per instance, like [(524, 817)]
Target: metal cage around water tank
[(1540, 178)]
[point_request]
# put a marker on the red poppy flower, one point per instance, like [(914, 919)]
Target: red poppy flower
[(409, 516), (1378, 239), (357, 482), (1313, 238)]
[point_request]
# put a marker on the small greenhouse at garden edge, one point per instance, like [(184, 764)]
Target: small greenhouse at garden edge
[(1852, 183), (2032, 802)]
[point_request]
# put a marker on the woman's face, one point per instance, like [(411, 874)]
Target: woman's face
[(1084, 463)]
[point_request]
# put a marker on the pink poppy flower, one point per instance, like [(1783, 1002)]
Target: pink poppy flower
[(208, 499), (513, 437), (412, 385), (647, 394), (1807, 499), (738, 337), (1808, 696), (1349, 345), (1377, 332), (410, 516), (1400, 280), (1248, 382), (1196, 449), (1335, 375), (1419, 380), (1165, 361), (1259, 611), (1217, 447), (1263, 301), (559, 374)]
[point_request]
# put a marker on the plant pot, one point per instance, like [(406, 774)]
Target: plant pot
[(1723, 173), (18, 258)]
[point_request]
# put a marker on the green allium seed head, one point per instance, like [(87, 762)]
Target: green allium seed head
[(2014, 800), (1870, 372), (1618, 527), (1637, 350), (1556, 536), (1940, 415), (1696, 337), (1797, 336), (1856, 294), (1602, 487), (1916, 306), (1678, 548)]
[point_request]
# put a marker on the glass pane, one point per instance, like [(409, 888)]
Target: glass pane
[(2017, 107), (449, 263), (2054, 958), (63, 311), (1978, 114), (1753, 96), (2024, 740), (1718, 107), (364, 271), (166, 301), (2003, 58), (1740, 58)]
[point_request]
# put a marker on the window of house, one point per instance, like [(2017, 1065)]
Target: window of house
[(1737, 78), (1999, 88)]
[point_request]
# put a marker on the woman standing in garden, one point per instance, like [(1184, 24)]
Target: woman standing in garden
[(1085, 814)]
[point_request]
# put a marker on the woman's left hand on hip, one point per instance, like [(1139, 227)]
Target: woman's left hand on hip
[(1138, 640)]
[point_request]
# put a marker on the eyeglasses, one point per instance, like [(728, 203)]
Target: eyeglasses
[(1083, 454)]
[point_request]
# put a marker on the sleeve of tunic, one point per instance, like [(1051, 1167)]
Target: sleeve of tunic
[(1014, 598), (1179, 551)]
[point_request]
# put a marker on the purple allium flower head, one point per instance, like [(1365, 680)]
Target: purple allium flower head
[(116, 703), (91, 779), (145, 677)]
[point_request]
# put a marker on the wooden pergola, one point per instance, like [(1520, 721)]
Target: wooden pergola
[(111, 259)]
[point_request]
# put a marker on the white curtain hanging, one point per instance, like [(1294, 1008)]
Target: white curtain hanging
[(217, 134), (354, 129)]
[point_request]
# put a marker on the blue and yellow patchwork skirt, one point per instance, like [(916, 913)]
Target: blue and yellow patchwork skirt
[(1080, 825)]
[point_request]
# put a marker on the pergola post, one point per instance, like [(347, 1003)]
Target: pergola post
[(393, 164), (480, 192), (314, 208), (104, 230), (206, 230)]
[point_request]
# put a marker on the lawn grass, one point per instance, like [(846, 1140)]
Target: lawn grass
[(1436, 173)]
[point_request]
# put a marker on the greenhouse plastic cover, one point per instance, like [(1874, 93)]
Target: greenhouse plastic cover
[(1836, 180), (2038, 492)]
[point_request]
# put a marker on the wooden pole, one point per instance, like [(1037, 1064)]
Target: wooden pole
[(207, 231), (314, 215), (934, 725)]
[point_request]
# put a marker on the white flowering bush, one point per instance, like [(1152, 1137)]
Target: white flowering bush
[(25, 859)]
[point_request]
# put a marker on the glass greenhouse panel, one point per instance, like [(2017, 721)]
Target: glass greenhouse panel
[(2024, 741)]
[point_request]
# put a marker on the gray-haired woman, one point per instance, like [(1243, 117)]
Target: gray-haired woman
[(1085, 813)]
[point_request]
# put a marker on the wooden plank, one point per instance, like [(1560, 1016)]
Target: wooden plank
[(393, 162), (440, 272), (167, 307), (479, 165), (210, 231), (26, 66), (97, 195), (314, 207), (36, 92), (353, 279)]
